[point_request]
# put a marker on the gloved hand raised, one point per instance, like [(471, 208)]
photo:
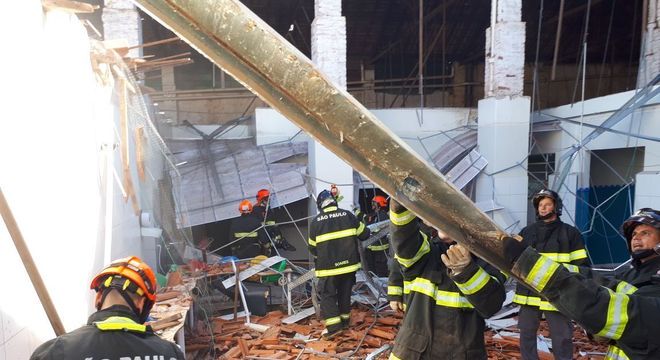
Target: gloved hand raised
[(456, 259)]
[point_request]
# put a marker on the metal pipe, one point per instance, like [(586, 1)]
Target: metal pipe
[(30, 266), (557, 40), (244, 46)]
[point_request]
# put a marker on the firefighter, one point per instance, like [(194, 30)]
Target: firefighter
[(125, 294), (333, 243), (378, 253), (562, 243), (450, 294), (262, 212), (625, 311), (248, 234)]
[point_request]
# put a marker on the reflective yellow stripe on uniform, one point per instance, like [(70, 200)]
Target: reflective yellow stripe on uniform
[(617, 316), (119, 323), (572, 268), (332, 320), (245, 234), (270, 222), (402, 218), (423, 250), (336, 235), (533, 301), (394, 290), (475, 283), (625, 288), (541, 273), (311, 242), (345, 316), (567, 257), (393, 357), (441, 297), (378, 247), (614, 353), (338, 271), (360, 228)]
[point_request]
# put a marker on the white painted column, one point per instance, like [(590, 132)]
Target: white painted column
[(121, 20), (650, 64), (329, 54), (504, 120)]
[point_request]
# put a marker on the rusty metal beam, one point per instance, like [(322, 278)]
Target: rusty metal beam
[(243, 45)]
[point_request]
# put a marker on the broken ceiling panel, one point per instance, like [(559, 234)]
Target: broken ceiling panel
[(217, 175)]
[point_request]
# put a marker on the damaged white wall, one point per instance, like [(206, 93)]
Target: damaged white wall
[(59, 123)]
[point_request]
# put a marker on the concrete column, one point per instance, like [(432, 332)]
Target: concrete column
[(650, 64), (121, 20), (329, 54), (503, 133)]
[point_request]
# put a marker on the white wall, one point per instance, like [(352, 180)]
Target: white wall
[(57, 117)]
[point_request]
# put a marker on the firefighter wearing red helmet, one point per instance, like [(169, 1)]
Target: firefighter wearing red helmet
[(378, 253), (265, 214), (622, 311), (125, 293), (247, 233), (562, 243)]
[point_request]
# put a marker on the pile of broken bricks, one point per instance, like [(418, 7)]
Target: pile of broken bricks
[(232, 339)]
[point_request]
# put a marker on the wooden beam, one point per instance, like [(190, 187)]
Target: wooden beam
[(71, 6)]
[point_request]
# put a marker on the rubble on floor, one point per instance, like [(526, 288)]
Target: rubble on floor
[(231, 339)]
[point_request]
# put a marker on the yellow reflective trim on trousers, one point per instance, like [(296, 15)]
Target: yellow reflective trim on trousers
[(270, 222), (567, 257), (475, 283), (393, 357), (311, 242), (625, 288), (345, 316), (617, 316), (335, 235), (119, 323), (378, 247), (332, 321), (402, 218), (338, 271), (394, 290), (423, 250), (245, 234), (541, 273), (615, 353)]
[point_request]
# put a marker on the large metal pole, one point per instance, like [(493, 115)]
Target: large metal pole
[(240, 43), (30, 266)]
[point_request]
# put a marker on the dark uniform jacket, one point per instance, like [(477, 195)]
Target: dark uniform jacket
[(244, 228), (627, 315), (395, 283), (273, 231), (332, 241), (444, 313), (111, 334), (381, 244), (558, 241)]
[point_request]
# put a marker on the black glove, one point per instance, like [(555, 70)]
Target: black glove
[(513, 248), (396, 207)]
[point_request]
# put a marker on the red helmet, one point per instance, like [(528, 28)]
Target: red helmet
[(245, 207), (380, 200), (261, 194), (129, 274)]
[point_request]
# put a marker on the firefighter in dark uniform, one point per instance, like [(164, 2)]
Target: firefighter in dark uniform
[(263, 212), (562, 243), (625, 311), (248, 235), (378, 254), (450, 294), (125, 294), (332, 241)]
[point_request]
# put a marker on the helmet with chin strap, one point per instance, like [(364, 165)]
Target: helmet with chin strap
[(325, 199), (127, 275), (645, 216), (545, 193)]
